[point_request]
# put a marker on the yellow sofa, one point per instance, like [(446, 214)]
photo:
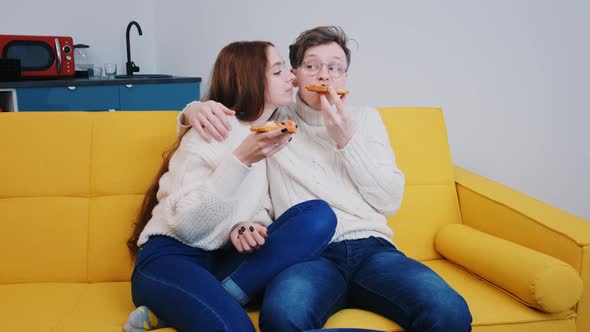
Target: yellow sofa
[(71, 184)]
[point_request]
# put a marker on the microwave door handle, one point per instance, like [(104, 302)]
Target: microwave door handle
[(58, 52)]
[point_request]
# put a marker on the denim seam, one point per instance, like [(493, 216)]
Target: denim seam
[(203, 303), (324, 245)]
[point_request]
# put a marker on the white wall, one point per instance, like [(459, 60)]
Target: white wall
[(100, 24), (511, 76)]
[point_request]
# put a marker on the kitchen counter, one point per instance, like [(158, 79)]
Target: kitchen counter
[(61, 82)]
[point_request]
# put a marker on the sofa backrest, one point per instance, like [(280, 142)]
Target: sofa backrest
[(71, 184), (419, 139), (70, 187)]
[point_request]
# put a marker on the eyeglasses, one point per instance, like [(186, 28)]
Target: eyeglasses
[(313, 67)]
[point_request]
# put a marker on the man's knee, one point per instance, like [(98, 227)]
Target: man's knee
[(448, 314), (457, 316), (288, 305), (284, 318)]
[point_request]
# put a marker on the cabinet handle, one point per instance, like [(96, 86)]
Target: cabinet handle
[(129, 85), (71, 88)]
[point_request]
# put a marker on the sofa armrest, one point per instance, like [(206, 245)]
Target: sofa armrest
[(501, 211)]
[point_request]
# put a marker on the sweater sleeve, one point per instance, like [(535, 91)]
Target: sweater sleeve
[(370, 161), (203, 192), (180, 128)]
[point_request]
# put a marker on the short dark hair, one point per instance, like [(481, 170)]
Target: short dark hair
[(314, 37)]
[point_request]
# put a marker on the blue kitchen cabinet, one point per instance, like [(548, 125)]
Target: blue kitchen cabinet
[(168, 94), (71, 98), (172, 96)]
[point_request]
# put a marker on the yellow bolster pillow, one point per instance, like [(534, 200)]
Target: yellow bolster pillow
[(537, 279)]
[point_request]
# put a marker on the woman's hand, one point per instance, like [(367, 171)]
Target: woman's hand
[(209, 118), (338, 121), (258, 146), (248, 236)]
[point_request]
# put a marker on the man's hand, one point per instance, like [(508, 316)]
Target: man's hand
[(338, 121), (209, 118), (248, 236)]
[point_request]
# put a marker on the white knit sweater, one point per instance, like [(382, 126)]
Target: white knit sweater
[(207, 190), (360, 181)]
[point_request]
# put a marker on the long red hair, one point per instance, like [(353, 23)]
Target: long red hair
[(238, 81)]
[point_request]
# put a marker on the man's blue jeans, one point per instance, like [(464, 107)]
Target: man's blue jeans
[(369, 274), (180, 284)]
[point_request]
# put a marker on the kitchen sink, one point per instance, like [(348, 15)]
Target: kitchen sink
[(144, 76)]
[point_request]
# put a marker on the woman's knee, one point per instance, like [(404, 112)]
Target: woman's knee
[(321, 218), (312, 222)]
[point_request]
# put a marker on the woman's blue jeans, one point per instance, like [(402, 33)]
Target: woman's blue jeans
[(181, 284), (369, 274)]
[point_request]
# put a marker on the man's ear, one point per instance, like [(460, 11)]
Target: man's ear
[(295, 84)]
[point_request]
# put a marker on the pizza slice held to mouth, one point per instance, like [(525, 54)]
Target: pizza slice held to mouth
[(323, 88)]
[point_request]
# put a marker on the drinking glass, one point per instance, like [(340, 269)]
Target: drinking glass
[(95, 73), (110, 70)]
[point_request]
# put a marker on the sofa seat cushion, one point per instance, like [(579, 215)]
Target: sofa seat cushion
[(68, 307), (37, 307), (65, 307), (490, 307), (103, 307)]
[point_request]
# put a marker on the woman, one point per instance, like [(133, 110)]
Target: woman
[(208, 195)]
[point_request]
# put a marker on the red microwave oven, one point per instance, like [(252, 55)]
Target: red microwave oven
[(40, 56)]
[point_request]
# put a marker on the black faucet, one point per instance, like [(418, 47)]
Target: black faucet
[(131, 67)]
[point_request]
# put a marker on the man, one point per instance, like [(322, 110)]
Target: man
[(342, 155)]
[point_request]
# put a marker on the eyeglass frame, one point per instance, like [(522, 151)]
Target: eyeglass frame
[(322, 64)]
